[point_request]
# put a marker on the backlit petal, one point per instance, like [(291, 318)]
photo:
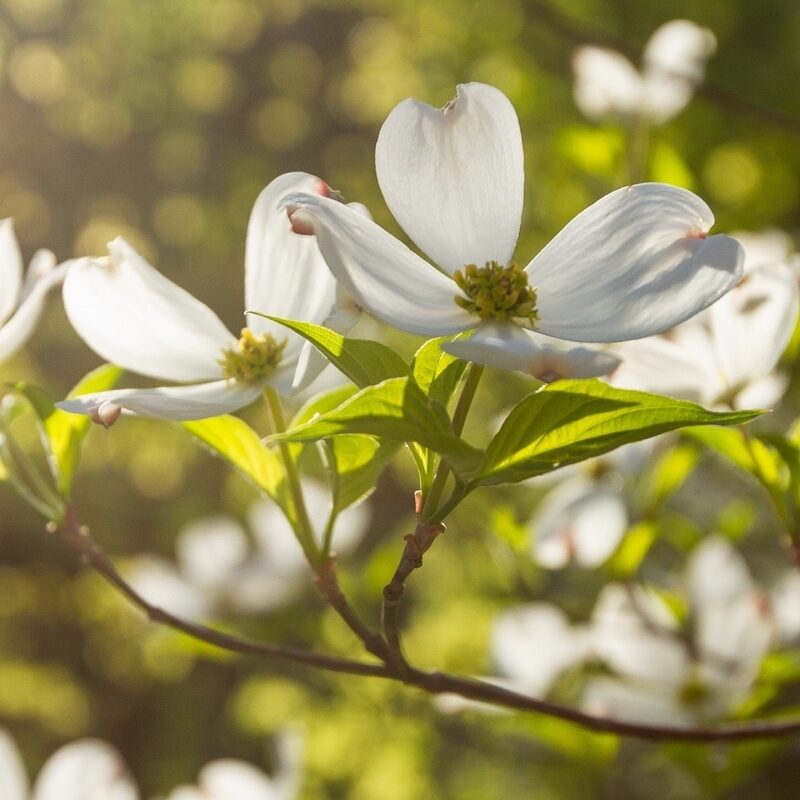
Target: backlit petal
[(88, 769), (131, 315), (506, 346), (605, 83), (10, 270), (380, 273), (285, 274), (13, 779), (453, 176), (196, 401), (636, 262), (19, 328)]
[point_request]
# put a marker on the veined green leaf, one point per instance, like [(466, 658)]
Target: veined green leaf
[(322, 403), (397, 410), (364, 362), (235, 441), (354, 463), (65, 432), (437, 373), (569, 421)]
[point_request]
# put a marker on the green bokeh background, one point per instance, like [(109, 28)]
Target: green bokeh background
[(161, 120)]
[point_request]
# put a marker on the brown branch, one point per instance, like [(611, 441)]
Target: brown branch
[(416, 545), (77, 536)]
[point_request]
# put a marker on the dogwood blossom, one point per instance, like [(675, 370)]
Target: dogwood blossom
[(88, 769), (135, 317), (726, 356), (218, 570), (22, 298), (636, 262), (660, 676), (231, 779), (673, 65)]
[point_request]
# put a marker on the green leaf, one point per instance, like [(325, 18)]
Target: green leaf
[(437, 373), (569, 421), (396, 410), (235, 441), (726, 442), (354, 463), (364, 362), (65, 432), (670, 472), (322, 403), (635, 546)]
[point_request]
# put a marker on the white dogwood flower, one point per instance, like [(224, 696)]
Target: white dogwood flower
[(218, 570), (665, 675), (232, 779), (636, 262), (88, 769), (22, 296), (673, 65), (726, 356), (133, 316)]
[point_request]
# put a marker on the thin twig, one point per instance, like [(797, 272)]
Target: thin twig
[(77, 536)]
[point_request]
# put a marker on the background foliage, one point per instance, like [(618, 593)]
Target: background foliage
[(161, 121)]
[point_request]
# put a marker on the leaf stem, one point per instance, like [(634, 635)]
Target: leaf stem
[(302, 523)]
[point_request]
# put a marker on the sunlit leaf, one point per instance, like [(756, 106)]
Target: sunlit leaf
[(569, 421), (65, 432), (364, 362), (396, 410), (235, 441), (437, 373)]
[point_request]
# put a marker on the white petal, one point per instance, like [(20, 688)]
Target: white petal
[(765, 247), (753, 323), (10, 270), (605, 83), (672, 366), (534, 644), (581, 520), (13, 779), (622, 636), (131, 315), (733, 636), (786, 606), (674, 63), (717, 573), (227, 779), (160, 583), (680, 47), (16, 332), (648, 703), (380, 272), (197, 401), (209, 549), (632, 264), (285, 274), (453, 177), (507, 346), (765, 392), (85, 770)]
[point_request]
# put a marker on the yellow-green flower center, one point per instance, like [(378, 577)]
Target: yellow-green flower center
[(495, 291), (253, 358)]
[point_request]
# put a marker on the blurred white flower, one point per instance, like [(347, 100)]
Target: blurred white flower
[(662, 674), (635, 262), (726, 356), (22, 297), (582, 520), (133, 316), (88, 769), (532, 645), (673, 66), (217, 569), (231, 779)]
